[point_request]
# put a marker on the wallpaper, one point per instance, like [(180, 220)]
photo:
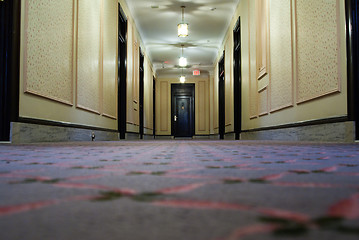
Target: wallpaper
[(110, 58), (281, 73), (317, 48), (88, 55), (202, 106), (48, 60), (253, 82)]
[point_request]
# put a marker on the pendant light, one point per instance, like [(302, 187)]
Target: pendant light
[(182, 27), (182, 78), (182, 60)]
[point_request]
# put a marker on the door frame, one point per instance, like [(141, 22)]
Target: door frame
[(141, 97), (237, 83), (221, 98), (182, 90), (122, 72), (10, 14), (352, 24), (154, 106)]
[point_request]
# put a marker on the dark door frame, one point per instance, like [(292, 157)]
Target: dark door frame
[(221, 98), (154, 106), (352, 24), (237, 84), (122, 72), (10, 19), (182, 90), (141, 97)]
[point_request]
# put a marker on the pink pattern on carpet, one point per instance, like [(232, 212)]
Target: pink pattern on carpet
[(25, 207), (181, 189), (347, 208)]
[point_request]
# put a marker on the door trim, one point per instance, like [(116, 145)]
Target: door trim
[(122, 73), (221, 98), (237, 83)]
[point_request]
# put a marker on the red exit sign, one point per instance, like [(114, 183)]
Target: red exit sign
[(196, 72)]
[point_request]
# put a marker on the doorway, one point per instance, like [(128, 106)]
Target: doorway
[(141, 97), (122, 72), (237, 85), (221, 98), (182, 110), (9, 65), (154, 107)]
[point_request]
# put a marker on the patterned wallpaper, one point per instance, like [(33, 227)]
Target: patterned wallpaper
[(263, 102), (253, 82), (88, 55), (48, 60), (281, 73), (317, 48), (110, 58), (202, 117)]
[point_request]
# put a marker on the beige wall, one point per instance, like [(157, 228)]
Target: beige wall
[(69, 70), (305, 75), (134, 43), (202, 105), (69, 62)]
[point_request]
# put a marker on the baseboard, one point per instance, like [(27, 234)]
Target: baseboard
[(21, 132), (342, 131)]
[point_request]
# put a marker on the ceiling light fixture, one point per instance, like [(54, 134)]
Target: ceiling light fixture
[(182, 27), (182, 60), (182, 78)]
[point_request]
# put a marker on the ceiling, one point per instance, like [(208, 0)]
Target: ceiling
[(157, 21)]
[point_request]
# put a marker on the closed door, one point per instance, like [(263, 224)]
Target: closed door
[(182, 117), (182, 110)]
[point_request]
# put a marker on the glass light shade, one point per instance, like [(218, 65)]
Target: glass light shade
[(182, 79), (182, 62), (182, 29)]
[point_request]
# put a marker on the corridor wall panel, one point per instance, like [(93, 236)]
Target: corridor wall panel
[(228, 69), (306, 47), (164, 106), (263, 102), (48, 49), (148, 97), (281, 64), (89, 87), (202, 100), (253, 81), (318, 64), (110, 50)]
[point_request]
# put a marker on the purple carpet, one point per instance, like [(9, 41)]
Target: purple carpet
[(169, 190)]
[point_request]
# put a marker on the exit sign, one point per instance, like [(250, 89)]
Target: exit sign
[(196, 72)]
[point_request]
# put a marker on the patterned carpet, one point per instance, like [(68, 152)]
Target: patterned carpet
[(169, 190)]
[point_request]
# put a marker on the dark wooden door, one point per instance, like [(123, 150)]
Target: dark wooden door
[(183, 117), (154, 107), (182, 110), (221, 99), (122, 72), (237, 80), (141, 97), (10, 12)]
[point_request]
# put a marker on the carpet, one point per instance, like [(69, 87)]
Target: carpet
[(179, 189)]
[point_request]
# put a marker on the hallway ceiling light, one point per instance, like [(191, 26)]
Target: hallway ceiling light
[(182, 79), (182, 27), (182, 60)]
